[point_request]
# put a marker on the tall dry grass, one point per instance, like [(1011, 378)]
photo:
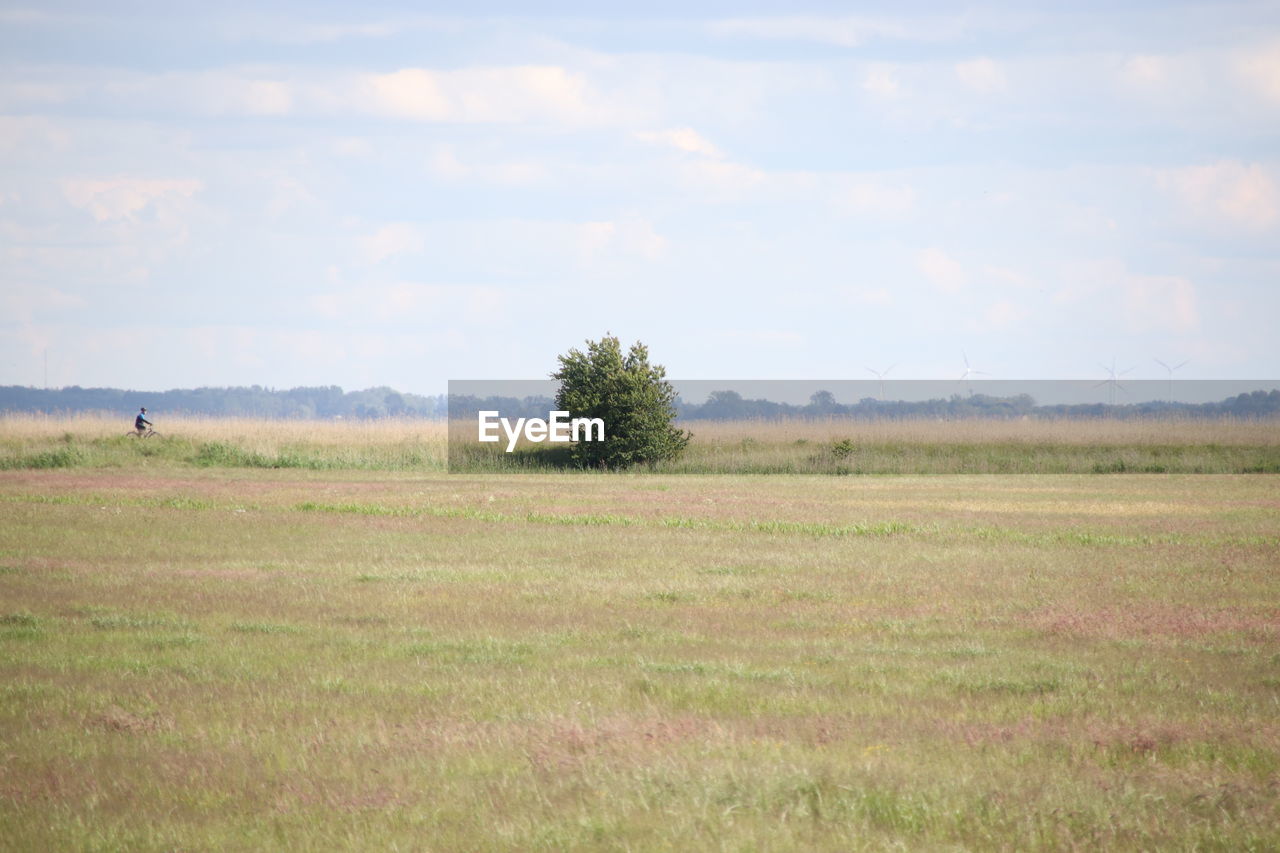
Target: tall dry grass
[(1099, 431), (35, 441), (388, 431), (836, 445), (335, 433)]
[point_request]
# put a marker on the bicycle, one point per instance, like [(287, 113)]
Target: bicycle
[(140, 433)]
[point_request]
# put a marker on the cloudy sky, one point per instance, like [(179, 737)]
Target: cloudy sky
[(394, 193)]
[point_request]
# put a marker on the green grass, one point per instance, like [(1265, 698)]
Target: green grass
[(249, 658), (844, 457), (249, 451)]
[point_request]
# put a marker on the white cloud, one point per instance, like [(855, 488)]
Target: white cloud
[(410, 302), (982, 75), (312, 29), (37, 93), (764, 337), (630, 236), (108, 199), (1241, 194), (287, 193), (841, 31), (23, 302), (1179, 85), (268, 97), (1260, 68), (484, 95), (882, 82), (445, 163), (524, 250), (514, 173), (1009, 278), (321, 33), (34, 134), (946, 273), (868, 295), (865, 196), (471, 95), (1003, 314), (1145, 70), (726, 179), (409, 93), (1110, 293), (118, 254), (396, 238), (252, 91), (681, 138), (240, 354), (844, 193), (1160, 302), (352, 146)]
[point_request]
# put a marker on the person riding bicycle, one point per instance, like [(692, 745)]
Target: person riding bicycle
[(140, 423)]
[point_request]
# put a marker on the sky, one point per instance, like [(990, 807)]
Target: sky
[(402, 194)]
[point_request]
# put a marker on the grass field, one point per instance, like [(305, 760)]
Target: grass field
[(843, 446), (235, 657), (838, 446)]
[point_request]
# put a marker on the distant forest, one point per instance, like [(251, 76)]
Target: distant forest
[(326, 402), (731, 406), (331, 402)]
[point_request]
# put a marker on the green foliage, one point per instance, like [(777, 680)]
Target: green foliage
[(62, 457), (843, 448), (217, 454), (630, 395)]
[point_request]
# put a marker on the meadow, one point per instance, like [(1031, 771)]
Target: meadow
[(838, 446), (363, 652)]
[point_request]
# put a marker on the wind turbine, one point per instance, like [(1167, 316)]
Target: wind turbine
[(881, 374), (1171, 370), (969, 371), (1113, 379)]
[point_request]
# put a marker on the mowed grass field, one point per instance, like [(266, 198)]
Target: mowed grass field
[(237, 657)]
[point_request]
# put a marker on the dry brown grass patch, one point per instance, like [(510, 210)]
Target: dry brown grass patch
[(1093, 431), (1146, 619), (116, 719)]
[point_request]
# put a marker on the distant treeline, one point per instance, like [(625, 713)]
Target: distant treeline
[(732, 406), (326, 402)]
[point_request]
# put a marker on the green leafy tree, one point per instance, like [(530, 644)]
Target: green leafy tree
[(629, 394)]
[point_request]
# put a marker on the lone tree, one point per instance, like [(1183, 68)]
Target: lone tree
[(629, 394)]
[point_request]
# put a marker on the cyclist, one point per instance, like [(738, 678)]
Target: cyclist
[(140, 423)]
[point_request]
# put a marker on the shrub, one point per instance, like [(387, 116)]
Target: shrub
[(630, 395)]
